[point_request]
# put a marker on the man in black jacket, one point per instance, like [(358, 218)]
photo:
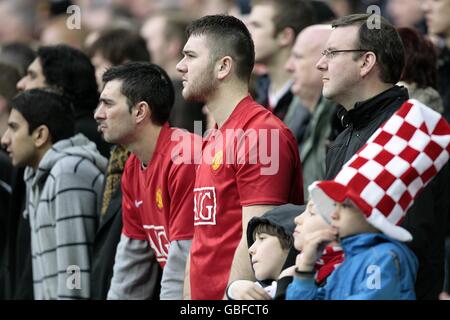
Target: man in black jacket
[(363, 60), (15, 245), (69, 71)]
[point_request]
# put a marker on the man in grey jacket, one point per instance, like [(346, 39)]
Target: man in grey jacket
[(64, 177), (307, 87)]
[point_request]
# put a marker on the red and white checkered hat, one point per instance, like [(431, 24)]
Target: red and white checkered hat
[(386, 174)]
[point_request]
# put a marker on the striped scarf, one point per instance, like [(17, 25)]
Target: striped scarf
[(331, 258)]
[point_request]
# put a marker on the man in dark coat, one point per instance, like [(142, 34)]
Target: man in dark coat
[(70, 71), (363, 60), (15, 252)]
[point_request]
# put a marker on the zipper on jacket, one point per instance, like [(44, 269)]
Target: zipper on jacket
[(350, 135)]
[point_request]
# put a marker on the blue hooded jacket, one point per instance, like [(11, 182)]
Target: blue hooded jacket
[(376, 267)]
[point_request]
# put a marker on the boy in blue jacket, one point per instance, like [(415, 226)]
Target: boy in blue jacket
[(366, 202)]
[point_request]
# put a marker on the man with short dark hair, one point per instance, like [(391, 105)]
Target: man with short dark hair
[(233, 183), (9, 76), (165, 35), (64, 177), (356, 66), (157, 206), (362, 62), (70, 72), (274, 25), (8, 79), (17, 254), (116, 46), (113, 47)]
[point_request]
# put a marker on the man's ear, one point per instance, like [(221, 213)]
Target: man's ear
[(367, 63), (224, 67), (41, 136), (286, 37), (141, 111)]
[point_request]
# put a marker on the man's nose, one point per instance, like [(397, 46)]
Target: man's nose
[(98, 112), (21, 84), (181, 67), (5, 139), (321, 65)]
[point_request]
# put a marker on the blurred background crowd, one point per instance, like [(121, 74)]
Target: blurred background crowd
[(111, 32)]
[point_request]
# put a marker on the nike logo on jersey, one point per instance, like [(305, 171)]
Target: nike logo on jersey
[(138, 203)]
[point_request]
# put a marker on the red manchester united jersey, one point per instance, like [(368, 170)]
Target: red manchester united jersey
[(251, 160), (157, 202)]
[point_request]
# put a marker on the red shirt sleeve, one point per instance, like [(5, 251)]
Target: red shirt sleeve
[(276, 173), (132, 224)]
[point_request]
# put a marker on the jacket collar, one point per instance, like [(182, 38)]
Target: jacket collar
[(366, 111), (356, 244)]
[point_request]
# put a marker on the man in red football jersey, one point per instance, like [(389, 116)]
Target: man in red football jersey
[(237, 179), (157, 206)]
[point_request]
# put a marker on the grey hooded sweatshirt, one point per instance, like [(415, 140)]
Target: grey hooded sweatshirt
[(63, 198)]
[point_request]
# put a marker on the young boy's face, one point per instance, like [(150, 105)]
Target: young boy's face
[(349, 220), (268, 257), (307, 222)]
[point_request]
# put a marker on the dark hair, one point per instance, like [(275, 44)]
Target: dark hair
[(294, 14), (421, 59), (59, 7), (9, 76), (46, 107), (119, 45), (70, 70), (227, 36), (384, 41), (143, 81), (322, 11), (286, 240)]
